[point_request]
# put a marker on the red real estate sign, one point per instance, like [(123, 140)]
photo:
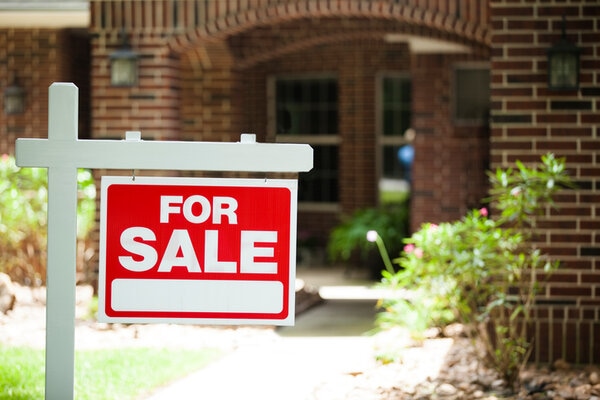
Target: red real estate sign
[(197, 250)]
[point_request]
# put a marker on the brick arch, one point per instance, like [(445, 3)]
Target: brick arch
[(471, 30)]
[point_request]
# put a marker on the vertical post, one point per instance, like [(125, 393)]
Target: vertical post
[(62, 237)]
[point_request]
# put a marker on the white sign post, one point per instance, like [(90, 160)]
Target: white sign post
[(62, 153)]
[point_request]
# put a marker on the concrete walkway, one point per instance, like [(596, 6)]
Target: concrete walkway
[(327, 340)]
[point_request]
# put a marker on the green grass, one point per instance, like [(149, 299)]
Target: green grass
[(124, 373)]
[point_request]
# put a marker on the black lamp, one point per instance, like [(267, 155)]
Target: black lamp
[(563, 64), (124, 64), (14, 98)]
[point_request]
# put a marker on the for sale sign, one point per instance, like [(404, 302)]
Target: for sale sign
[(197, 250)]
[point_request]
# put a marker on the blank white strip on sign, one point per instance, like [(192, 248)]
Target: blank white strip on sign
[(174, 295)]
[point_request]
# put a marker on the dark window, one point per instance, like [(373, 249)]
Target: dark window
[(309, 107), (396, 105), (321, 183), (393, 164), (396, 151), (472, 94)]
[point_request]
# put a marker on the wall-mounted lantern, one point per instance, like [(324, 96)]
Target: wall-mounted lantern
[(14, 98), (563, 63), (124, 64)]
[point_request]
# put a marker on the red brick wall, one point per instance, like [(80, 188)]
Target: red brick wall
[(163, 30), (450, 160), (529, 120), (40, 57), (209, 91), (152, 106)]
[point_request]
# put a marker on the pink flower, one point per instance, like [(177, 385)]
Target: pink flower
[(412, 249), (516, 191), (433, 227), (5, 157), (483, 212)]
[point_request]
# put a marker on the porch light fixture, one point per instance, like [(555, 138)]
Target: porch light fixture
[(14, 98), (124, 64), (563, 63)]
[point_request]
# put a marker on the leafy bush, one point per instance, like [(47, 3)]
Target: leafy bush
[(484, 269), (348, 238), (23, 219)]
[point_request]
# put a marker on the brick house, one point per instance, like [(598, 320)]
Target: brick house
[(350, 77)]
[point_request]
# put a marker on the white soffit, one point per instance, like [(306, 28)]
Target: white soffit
[(44, 19), (425, 45), (44, 14)]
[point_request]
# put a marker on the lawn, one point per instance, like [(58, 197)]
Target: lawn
[(126, 373)]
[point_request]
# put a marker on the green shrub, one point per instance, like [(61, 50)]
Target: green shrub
[(485, 270), (23, 219), (349, 238)]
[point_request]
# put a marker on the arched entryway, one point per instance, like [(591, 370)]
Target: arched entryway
[(211, 72), (334, 81)]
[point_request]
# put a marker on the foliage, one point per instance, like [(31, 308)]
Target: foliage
[(390, 221), (522, 194), (23, 206), (23, 219), (100, 374), (486, 270), (443, 263), (86, 202), (417, 311)]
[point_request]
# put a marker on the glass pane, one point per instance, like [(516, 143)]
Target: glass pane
[(563, 69), (396, 105), (307, 106), (472, 100), (394, 184), (396, 116), (321, 183)]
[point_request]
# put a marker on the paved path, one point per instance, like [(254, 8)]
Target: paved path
[(289, 368), (326, 341)]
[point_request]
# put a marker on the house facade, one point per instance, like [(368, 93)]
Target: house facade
[(355, 79)]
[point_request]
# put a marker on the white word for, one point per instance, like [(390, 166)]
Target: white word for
[(221, 207)]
